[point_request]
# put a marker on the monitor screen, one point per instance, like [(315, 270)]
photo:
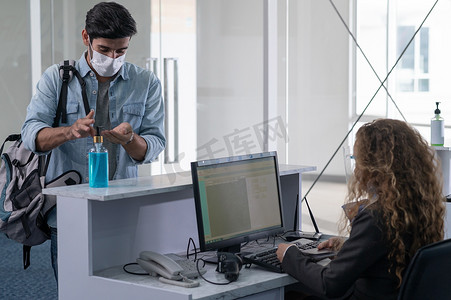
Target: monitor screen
[(237, 200)]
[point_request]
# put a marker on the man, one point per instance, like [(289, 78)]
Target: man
[(125, 102)]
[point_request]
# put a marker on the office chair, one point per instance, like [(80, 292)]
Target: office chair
[(428, 275)]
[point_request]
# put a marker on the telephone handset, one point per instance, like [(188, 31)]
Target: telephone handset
[(172, 268), (156, 263)]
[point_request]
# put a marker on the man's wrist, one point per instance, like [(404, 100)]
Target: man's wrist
[(67, 131), (132, 137)]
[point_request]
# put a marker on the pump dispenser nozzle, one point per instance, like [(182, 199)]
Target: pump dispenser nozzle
[(437, 111), (98, 138)]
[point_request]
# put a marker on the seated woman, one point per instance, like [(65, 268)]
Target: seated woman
[(394, 206)]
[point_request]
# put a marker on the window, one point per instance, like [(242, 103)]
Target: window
[(414, 63), (383, 30)]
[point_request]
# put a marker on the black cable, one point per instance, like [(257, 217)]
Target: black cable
[(195, 249), (209, 281), (371, 100), (130, 272)]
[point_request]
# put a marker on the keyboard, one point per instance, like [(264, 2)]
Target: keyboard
[(268, 259)]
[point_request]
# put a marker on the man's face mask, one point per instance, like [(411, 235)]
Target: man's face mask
[(104, 65)]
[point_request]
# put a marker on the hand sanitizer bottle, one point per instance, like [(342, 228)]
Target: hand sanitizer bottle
[(437, 128), (98, 163)]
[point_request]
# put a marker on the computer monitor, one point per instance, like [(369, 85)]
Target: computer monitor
[(238, 199)]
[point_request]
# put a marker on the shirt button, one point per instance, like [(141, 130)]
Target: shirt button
[(91, 74), (94, 92)]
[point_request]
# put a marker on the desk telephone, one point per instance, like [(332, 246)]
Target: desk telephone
[(172, 268)]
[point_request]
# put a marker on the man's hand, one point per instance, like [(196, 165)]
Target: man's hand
[(82, 127), (121, 134), (49, 138)]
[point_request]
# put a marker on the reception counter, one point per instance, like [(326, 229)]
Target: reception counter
[(102, 229)]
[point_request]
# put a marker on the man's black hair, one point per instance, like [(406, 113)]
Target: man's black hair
[(109, 20)]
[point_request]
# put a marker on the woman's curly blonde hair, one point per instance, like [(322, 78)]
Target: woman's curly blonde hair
[(396, 167)]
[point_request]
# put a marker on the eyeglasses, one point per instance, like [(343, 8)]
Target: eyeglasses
[(349, 161)]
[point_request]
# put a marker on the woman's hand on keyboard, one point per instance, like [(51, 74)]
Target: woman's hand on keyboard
[(333, 243), (281, 249)]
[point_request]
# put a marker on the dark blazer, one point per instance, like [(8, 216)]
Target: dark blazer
[(360, 270)]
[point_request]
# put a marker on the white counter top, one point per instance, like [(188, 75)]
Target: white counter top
[(442, 148), (142, 186)]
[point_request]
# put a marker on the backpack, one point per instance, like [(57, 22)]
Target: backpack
[(23, 207)]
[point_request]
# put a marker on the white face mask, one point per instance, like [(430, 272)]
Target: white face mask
[(104, 65)]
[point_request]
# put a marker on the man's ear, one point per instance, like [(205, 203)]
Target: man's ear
[(85, 37)]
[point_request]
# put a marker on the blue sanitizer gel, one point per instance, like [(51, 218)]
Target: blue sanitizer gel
[(98, 163), (98, 169)]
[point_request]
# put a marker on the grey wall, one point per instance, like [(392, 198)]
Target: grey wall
[(229, 74), (319, 84), (15, 62)]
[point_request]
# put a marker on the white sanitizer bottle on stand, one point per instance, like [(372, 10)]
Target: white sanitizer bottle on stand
[(437, 128)]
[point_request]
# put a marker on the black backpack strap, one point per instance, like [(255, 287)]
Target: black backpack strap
[(10, 138), (67, 70), (83, 90), (26, 256), (44, 164), (62, 102)]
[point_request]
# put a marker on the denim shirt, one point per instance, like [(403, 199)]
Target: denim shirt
[(135, 97)]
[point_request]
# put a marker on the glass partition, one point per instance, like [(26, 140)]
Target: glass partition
[(15, 65)]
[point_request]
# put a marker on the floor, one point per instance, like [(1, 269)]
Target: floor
[(35, 283), (325, 200)]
